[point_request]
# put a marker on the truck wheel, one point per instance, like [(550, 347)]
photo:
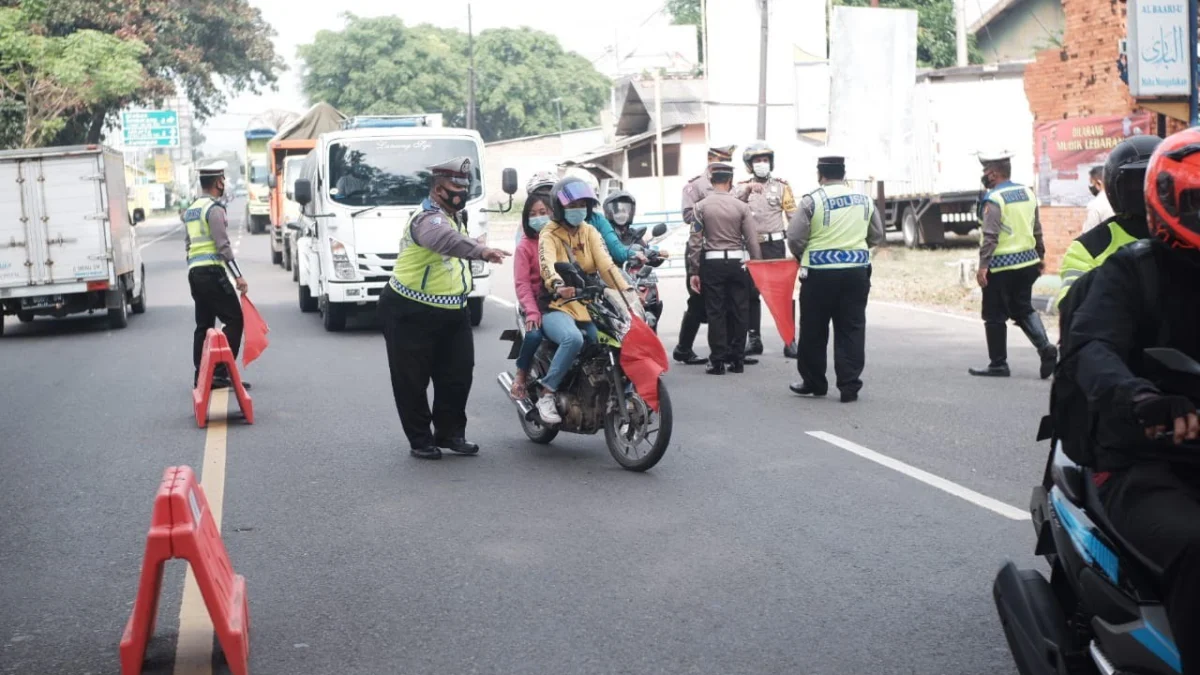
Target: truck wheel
[(475, 306), (912, 229), (118, 317), (307, 302), (139, 303), (295, 267), (287, 254), (333, 316), (25, 317), (276, 256)]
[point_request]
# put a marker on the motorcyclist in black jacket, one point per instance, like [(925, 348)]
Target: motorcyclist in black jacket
[(1150, 489)]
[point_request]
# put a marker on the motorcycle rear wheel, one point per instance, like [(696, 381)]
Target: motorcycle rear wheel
[(646, 428)]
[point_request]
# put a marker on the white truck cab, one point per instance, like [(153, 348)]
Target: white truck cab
[(357, 190)]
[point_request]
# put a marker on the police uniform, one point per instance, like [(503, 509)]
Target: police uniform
[(831, 235), (772, 207), (1094, 246), (695, 314), (717, 248), (426, 324), (1011, 251), (209, 255)]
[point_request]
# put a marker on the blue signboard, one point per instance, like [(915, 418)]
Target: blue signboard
[(150, 128)]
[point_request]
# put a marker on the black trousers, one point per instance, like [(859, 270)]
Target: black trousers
[(726, 302), (215, 299), (1156, 507), (1009, 294), (771, 250), (840, 296), (693, 315), (428, 343)]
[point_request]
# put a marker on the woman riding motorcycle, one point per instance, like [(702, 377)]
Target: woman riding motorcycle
[(527, 276), (568, 238), (542, 181)]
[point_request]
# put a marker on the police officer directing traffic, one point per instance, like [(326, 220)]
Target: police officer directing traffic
[(426, 324), (209, 255), (831, 235), (772, 204), (1010, 261), (723, 233), (695, 314)]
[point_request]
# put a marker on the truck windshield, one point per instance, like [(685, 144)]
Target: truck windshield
[(258, 173), (394, 171)]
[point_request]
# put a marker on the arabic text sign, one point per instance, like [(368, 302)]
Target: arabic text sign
[(1068, 149), (150, 128), (1159, 50)]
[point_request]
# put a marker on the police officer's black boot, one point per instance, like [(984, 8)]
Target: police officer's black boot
[(716, 368), (997, 342), (791, 351), (754, 343), (1036, 332), (687, 336)]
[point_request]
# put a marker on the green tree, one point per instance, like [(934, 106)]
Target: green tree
[(53, 77), (684, 12), (936, 44), (381, 66)]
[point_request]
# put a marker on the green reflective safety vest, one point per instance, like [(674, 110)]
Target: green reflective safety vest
[(202, 250), (1017, 246), (838, 237), (1089, 250), (426, 276)]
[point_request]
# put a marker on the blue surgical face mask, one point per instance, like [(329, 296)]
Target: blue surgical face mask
[(575, 216), (536, 223)]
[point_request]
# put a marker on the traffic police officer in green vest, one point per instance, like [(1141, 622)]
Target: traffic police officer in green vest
[(209, 255), (831, 234), (1124, 176), (423, 309), (1010, 261)]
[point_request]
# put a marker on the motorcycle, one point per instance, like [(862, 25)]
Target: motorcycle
[(1099, 611), (596, 392), (641, 275)]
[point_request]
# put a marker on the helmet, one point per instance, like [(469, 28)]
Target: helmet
[(757, 149), (542, 180), (585, 176), (568, 190), (1125, 174), (619, 208), (1173, 190)]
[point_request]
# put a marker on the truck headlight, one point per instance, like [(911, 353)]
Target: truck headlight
[(478, 267), (342, 268)]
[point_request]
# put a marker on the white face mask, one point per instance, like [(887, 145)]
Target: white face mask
[(762, 169)]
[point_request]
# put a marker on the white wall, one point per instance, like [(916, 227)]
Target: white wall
[(528, 156)]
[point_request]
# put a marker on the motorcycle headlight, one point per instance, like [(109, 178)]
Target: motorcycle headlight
[(342, 268)]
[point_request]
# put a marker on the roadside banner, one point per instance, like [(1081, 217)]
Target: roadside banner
[(1068, 149)]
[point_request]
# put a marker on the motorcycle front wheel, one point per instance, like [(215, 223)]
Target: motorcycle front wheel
[(639, 444)]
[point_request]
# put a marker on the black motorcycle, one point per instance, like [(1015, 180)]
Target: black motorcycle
[(1099, 612), (641, 275)]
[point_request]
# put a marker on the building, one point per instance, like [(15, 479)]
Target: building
[(531, 154), (1015, 30)]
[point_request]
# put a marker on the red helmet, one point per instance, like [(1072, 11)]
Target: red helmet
[(1173, 190)]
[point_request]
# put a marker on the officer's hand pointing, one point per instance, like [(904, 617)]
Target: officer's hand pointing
[(695, 282), (242, 286), (981, 277), (495, 255)]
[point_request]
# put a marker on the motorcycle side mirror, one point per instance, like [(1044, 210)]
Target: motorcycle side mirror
[(1172, 361), (569, 274), (638, 231), (659, 230)]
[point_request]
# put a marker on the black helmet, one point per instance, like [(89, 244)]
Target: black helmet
[(568, 190), (620, 203), (757, 149), (1125, 174)]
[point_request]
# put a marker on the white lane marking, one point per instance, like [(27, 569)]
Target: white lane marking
[(934, 312), (938, 482), (502, 302), (160, 237)]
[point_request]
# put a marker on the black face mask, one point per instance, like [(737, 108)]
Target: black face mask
[(456, 198), (1094, 190), (986, 180)]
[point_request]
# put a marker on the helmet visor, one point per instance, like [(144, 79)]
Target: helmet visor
[(622, 212), (575, 191)]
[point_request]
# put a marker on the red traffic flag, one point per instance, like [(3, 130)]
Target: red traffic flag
[(643, 359), (775, 280), (256, 329)]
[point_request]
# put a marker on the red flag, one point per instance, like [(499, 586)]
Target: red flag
[(643, 359), (775, 280), (255, 340)]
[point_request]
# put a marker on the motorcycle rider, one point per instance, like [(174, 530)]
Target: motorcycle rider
[(1145, 296), (1124, 180), (620, 208), (527, 276), (568, 237), (617, 250), (772, 203)]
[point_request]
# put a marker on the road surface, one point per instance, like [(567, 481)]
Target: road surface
[(778, 534)]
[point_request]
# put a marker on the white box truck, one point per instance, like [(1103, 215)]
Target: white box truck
[(348, 240), (67, 240)]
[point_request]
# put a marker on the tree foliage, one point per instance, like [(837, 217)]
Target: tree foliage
[(684, 12), (51, 77), (936, 41), (381, 66)]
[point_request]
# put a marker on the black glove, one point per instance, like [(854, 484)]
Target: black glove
[(1162, 410)]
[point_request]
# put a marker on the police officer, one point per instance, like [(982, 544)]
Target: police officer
[(425, 321), (695, 313), (771, 201), (723, 233), (209, 255), (831, 235), (1010, 261)]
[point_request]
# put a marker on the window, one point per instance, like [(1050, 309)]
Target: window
[(643, 160), (395, 171)]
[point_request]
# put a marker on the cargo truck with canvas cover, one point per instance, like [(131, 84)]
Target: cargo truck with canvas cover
[(67, 239), (258, 207), (293, 141)]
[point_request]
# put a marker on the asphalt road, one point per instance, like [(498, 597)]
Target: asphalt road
[(753, 547)]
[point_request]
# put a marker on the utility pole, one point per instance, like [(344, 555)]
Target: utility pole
[(762, 74), (960, 31), (558, 106), (658, 140), (471, 71), (704, 56)]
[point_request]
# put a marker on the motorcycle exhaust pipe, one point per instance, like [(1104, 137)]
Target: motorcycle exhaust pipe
[(506, 380)]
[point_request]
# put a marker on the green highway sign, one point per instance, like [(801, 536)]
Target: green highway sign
[(150, 128)]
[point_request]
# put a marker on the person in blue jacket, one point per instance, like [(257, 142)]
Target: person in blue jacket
[(619, 252)]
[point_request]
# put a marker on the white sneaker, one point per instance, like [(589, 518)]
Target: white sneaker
[(548, 410)]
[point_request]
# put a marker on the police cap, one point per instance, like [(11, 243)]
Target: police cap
[(213, 169), (720, 171), (831, 160), (458, 170), (723, 153), (993, 156)]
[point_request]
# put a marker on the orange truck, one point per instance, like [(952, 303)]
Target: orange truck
[(284, 152)]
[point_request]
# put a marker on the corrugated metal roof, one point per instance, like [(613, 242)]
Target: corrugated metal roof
[(618, 146), (682, 104)]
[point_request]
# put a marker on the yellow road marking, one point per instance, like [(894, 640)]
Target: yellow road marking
[(194, 649)]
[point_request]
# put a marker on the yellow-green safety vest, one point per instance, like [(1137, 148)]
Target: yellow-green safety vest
[(426, 276), (1079, 259), (202, 250), (838, 237), (1016, 247)]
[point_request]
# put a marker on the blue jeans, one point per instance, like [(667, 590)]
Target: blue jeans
[(561, 328), (529, 347)]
